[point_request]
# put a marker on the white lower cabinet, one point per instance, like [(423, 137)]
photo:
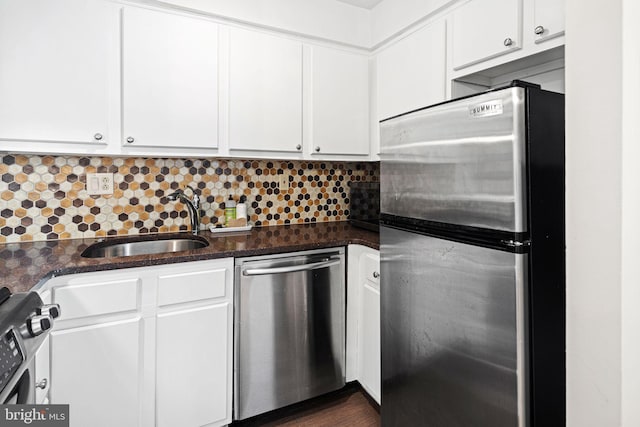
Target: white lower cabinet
[(145, 346), (363, 319), (369, 340), (192, 366), (42, 375), (96, 369)]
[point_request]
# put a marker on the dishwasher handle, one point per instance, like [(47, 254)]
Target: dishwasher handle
[(291, 268)]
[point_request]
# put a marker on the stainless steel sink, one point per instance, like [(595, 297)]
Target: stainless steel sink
[(144, 246)]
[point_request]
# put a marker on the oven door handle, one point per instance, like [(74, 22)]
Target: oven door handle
[(291, 268)]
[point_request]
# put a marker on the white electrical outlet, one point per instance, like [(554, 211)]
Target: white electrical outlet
[(99, 183), (283, 181)]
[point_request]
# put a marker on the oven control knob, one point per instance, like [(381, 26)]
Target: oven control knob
[(51, 310), (37, 324)]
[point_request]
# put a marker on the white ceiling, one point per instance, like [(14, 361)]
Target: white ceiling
[(366, 4)]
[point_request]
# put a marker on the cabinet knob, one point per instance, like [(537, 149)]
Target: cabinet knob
[(97, 136), (130, 140), (298, 147), (539, 30), (317, 149), (42, 383), (508, 42), (376, 274)]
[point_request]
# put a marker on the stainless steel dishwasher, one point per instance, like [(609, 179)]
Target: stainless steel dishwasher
[(289, 333)]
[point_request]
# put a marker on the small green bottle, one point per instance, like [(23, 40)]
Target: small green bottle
[(230, 209)]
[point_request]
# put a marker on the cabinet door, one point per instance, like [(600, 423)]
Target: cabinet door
[(370, 344), (42, 377), (411, 72), (193, 377), (484, 29), (369, 326), (548, 19), (339, 102), (55, 70), (170, 78), (96, 370), (265, 92)]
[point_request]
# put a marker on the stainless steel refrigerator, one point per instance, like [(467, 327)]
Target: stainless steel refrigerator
[(472, 262)]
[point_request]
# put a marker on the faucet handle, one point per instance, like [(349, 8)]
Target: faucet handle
[(196, 200), (174, 196)]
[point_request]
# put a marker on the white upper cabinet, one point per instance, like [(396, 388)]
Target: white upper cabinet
[(484, 29), (265, 92), (411, 73), (548, 19), (339, 102), (57, 65), (170, 80)]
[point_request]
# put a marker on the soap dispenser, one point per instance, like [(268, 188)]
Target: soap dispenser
[(230, 209)]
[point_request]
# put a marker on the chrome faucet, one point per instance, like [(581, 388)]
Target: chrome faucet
[(192, 206)]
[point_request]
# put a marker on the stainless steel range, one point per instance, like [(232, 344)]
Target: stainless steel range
[(24, 325)]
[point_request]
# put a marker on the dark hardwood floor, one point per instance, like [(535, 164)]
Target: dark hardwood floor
[(350, 406)]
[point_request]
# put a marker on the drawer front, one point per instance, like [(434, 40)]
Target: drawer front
[(371, 267), (188, 287), (98, 298)]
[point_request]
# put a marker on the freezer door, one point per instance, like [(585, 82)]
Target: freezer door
[(461, 162), (453, 341)]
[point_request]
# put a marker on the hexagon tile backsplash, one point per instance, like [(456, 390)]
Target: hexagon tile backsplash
[(44, 197)]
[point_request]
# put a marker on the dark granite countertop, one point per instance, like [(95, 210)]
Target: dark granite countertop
[(26, 265)]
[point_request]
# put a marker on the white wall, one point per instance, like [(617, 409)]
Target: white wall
[(392, 16), (603, 211), (630, 291), (325, 19)]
